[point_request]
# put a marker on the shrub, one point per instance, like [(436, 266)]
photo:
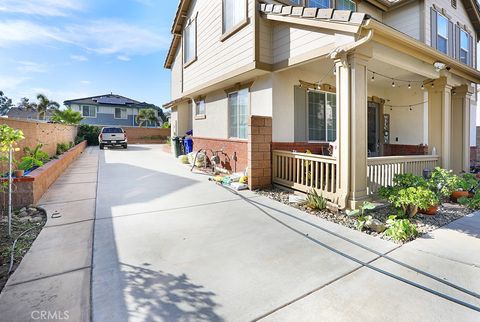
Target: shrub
[(79, 139), (37, 153), (67, 116), (89, 133), (472, 203), (315, 201), (166, 125), (62, 148), (400, 229), (442, 182), (409, 194)]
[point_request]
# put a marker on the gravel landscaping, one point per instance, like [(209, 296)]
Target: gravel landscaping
[(447, 213), (29, 219)]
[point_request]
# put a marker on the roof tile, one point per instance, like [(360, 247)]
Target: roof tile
[(297, 11), (341, 15), (310, 12), (324, 13)]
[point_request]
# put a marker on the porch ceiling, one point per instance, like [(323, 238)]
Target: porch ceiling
[(392, 71)]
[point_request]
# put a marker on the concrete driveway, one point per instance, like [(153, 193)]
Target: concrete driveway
[(171, 246)]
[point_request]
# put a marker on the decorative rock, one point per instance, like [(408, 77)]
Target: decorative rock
[(25, 219), (23, 209), (22, 214), (36, 219), (375, 225), (32, 209)]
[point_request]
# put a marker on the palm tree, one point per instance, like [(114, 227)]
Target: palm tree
[(45, 104), (146, 115), (67, 116)]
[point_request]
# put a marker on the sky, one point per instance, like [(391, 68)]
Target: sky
[(69, 49)]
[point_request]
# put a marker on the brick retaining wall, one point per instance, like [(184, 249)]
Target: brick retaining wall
[(30, 189), (146, 135), (230, 147)]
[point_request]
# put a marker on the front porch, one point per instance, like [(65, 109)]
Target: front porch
[(385, 112)]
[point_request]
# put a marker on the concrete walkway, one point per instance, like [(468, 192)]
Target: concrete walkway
[(54, 276), (171, 246)]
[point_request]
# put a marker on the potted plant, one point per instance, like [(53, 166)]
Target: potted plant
[(409, 194), (461, 186)]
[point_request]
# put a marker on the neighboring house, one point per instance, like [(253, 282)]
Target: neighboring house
[(389, 84), (111, 109), (30, 114)]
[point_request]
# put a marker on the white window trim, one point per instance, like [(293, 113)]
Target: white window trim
[(248, 112), (89, 107), (440, 14), (120, 118), (197, 114), (308, 117), (191, 23)]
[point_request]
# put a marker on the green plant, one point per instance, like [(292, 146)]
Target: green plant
[(168, 141), (472, 203), (62, 147), (315, 201), (468, 182), (79, 139), (45, 104), (37, 153), (9, 138), (362, 221), (67, 116), (408, 180), (166, 125), (28, 162), (442, 182), (362, 210), (89, 133), (409, 200), (400, 229)]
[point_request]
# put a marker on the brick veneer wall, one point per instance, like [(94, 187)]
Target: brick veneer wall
[(143, 135), (403, 149), (30, 189), (230, 147), (302, 147), (35, 132), (259, 152)]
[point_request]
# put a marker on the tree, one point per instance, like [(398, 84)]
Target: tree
[(67, 116), (25, 103), (146, 115), (5, 104), (45, 104)]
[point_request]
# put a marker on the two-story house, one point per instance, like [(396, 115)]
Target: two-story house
[(111, 109), (372, 88)]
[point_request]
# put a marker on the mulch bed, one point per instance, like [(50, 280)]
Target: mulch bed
[(27, 218), (447, 213)]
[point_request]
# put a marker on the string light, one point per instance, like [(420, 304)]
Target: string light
[(393, 83), (409, 86), (423, 87), (396, 81), (373, 77)]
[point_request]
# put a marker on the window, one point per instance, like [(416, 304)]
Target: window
[(112, 130), (323, 4), (190, 42), (234, 13), (464, 46), (296, 2), (322, 116), (442, 33), (200, 107), (120, 113), (454, 4), (346, 5), (89, 111), (238, 113)]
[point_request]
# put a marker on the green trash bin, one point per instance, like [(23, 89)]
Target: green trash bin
[(177, 146)]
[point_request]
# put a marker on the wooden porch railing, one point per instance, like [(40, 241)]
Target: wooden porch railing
[(381, 170), (303, 172)]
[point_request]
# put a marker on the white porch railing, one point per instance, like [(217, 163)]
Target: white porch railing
[(381, 170), (303, 172)]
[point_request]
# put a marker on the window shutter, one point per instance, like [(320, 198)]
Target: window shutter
[(433, 28), (451, 49), (457, 42), (300, 114), (470, 50)]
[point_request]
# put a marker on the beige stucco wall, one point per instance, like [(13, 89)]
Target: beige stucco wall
[(181, 119), (215, 124)]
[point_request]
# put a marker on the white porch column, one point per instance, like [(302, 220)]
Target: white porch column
[(461, 96), (352, 128), (440, 119)]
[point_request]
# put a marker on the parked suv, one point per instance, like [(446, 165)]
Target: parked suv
[(112, 136)]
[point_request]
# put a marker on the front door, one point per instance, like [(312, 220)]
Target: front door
[(373, 129)]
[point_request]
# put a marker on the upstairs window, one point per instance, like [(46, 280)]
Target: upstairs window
[(234, 13), (464, 47), (442, 33), (322, 4), (346, 5), (190, 42), (89, 111)]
